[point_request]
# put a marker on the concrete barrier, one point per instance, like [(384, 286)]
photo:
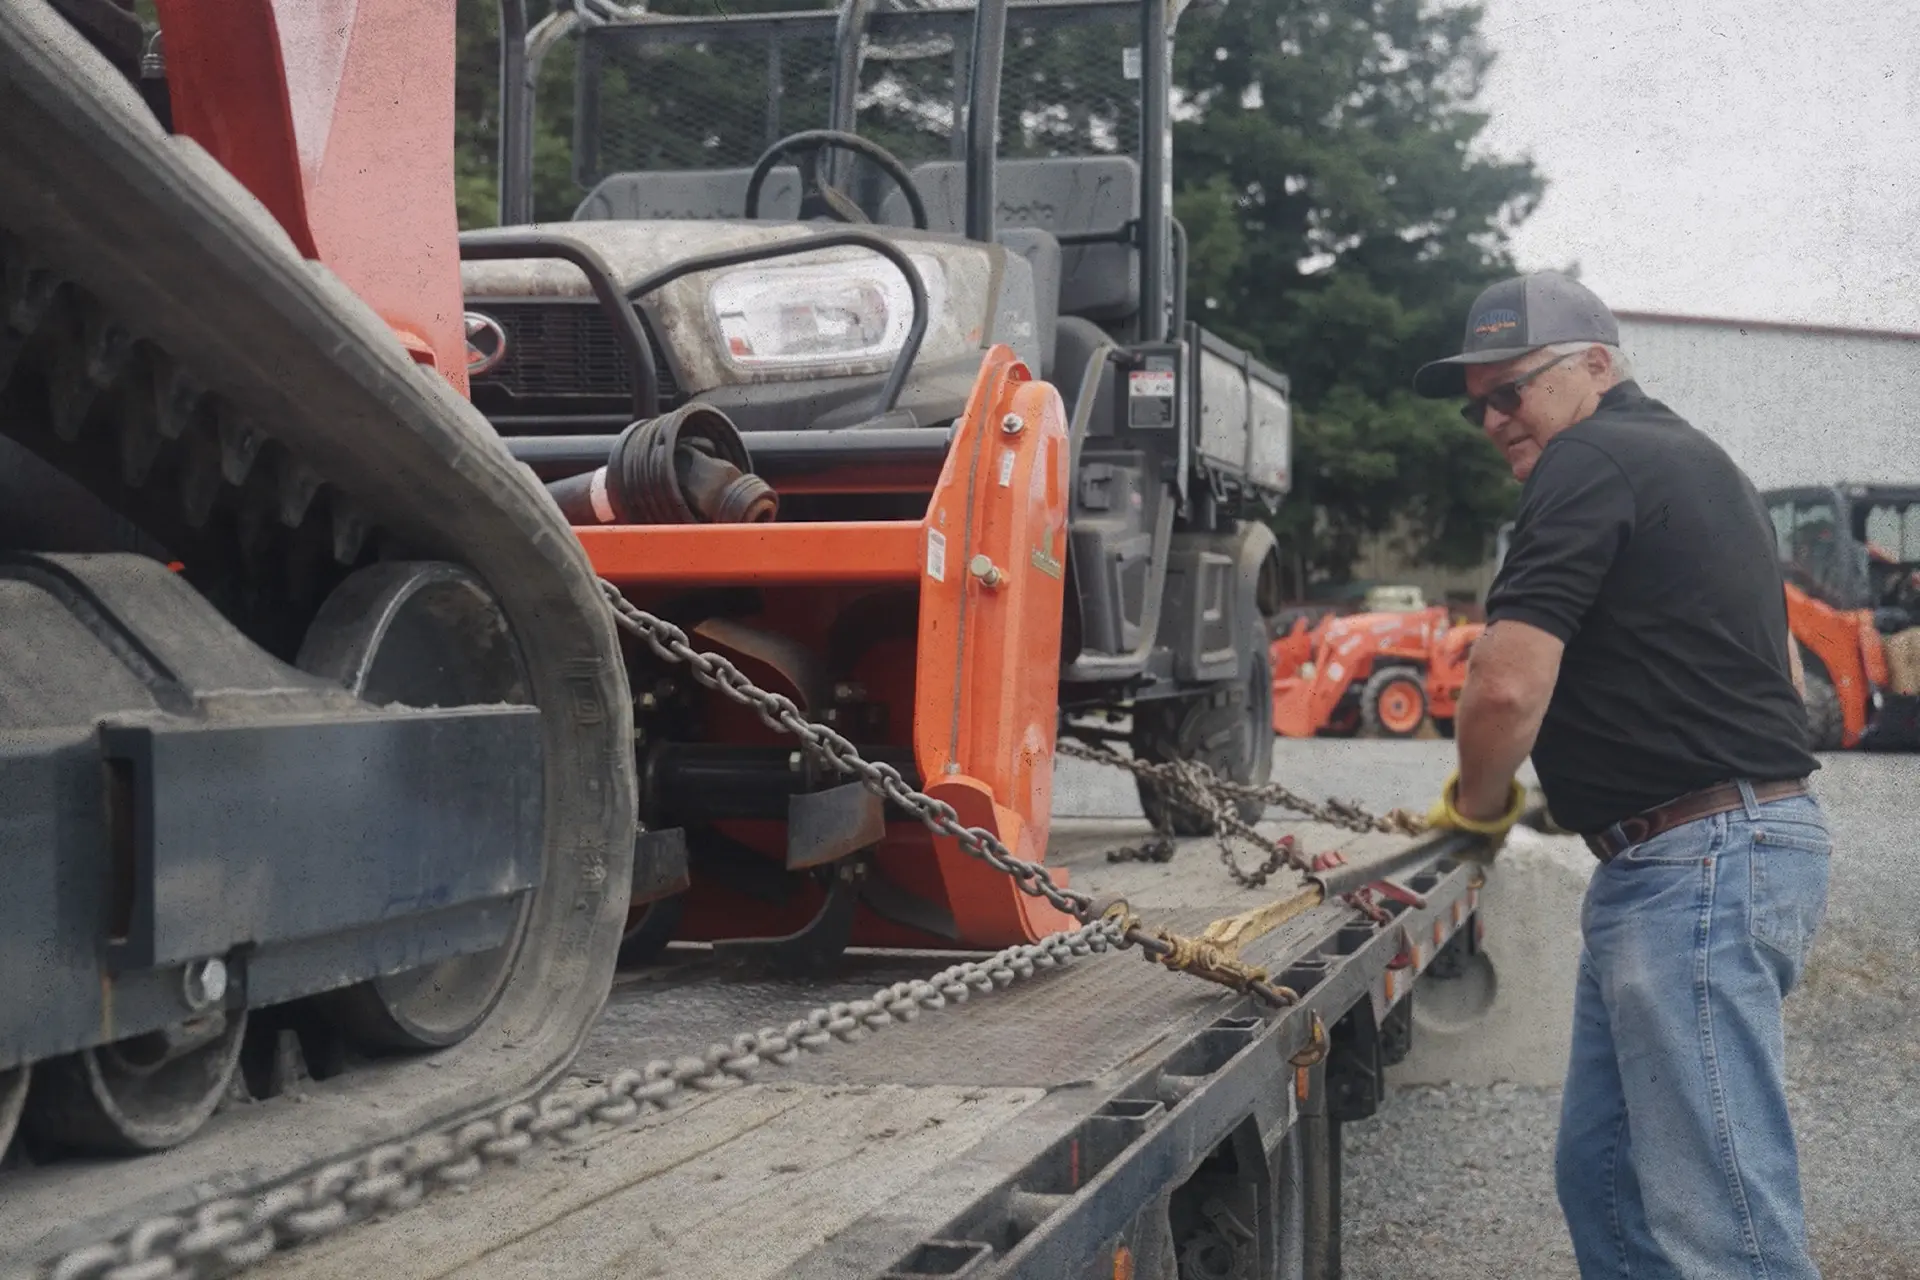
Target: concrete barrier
[(1508, 1016)]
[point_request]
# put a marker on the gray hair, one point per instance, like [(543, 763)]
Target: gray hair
[(1622, 366)]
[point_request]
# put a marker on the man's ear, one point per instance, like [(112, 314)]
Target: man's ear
[(1599, 362)]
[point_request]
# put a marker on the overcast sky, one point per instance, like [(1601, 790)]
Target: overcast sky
[(1757, 159)]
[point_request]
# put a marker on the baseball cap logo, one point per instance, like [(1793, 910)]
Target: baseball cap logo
[(1488, 323)]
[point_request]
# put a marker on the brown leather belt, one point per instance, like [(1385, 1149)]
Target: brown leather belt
[(1695, 805)]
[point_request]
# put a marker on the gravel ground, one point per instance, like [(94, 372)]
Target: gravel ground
[(1456, 1183)]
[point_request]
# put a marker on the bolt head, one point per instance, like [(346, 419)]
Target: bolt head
[(205, 983), (1013, 424)]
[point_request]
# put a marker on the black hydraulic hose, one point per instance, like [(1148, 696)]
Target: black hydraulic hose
[(917, 451), (916, 331)]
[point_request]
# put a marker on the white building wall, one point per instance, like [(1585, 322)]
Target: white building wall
[(1793, 406)]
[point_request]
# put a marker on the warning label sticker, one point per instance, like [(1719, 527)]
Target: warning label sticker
[(1151, 383), (936, 555)]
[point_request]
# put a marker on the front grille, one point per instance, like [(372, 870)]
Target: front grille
[(562, 350)]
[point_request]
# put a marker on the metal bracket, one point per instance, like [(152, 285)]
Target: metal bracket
[(815, 944), (826, 826), (660, 864)]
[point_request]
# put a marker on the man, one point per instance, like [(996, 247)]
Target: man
[(1637, 648)]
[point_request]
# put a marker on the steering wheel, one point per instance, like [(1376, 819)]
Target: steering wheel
[(817, 199)]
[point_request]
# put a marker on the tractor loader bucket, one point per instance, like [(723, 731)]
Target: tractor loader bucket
[(933, 643)]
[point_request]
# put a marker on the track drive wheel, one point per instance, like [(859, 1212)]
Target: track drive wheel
[(1826, 726), (145, 1093), (1393, 704), (1228, 728), (420, 634)]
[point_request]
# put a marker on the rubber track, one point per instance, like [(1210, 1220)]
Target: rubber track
[(253, 414)]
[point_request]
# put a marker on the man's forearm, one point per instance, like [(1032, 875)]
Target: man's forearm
[(1494, 737), (1510, 679)]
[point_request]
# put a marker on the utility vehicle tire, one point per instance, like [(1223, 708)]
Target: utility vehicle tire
[(1228, 728), (1443, 725), (1393, 703), (1825, 725)]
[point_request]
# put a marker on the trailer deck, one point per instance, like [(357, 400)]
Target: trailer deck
[(1046, 1129)]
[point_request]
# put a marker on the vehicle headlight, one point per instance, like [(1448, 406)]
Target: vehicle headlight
[(772, 315)]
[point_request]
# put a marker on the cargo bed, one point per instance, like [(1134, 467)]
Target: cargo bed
[(1052, 1128)]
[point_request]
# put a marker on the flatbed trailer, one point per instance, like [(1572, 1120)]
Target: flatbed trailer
[(1105, 1118)]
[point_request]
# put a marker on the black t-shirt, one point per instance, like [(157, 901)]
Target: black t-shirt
[(1648, 552)]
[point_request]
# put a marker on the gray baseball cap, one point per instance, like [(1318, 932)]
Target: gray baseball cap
[(1514, 317)]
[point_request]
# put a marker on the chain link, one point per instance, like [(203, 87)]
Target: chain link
[(222, 1236), (1193, 787), (778, 712)]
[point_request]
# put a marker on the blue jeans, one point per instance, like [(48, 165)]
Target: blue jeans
[(1676, 1155)]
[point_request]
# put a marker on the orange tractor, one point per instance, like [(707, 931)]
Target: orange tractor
[(1386, 672), (1851, 556)]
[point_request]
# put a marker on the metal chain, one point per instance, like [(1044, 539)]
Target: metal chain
[(223, 1236), (778, 712), (1161, 945), (1179, 776), (1192, 786)]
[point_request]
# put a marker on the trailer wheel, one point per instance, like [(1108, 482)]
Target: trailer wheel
[(1394, 702), (1228, 728), (1825, 725)]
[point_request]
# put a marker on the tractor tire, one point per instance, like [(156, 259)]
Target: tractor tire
[(1443, 725), (1393, 704), (1228, 728), (1826, 727)]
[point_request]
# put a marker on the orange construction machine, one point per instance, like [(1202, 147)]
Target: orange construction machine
[(315, 738), (1851, 556), (916, 435), (1385, 672)]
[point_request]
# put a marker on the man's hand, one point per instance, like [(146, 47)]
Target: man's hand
[(1446, 816)]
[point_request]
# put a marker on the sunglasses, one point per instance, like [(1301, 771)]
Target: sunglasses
[(1506, 396)]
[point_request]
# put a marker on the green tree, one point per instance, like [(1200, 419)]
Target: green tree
[(1340, 227)]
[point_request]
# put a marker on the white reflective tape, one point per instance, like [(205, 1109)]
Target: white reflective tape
[(597, 494)]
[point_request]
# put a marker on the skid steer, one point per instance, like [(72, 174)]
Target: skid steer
[(864, 356), (315, 738), (1851, 557)]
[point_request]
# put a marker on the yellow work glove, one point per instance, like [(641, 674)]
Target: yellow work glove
[(1444, 817)]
